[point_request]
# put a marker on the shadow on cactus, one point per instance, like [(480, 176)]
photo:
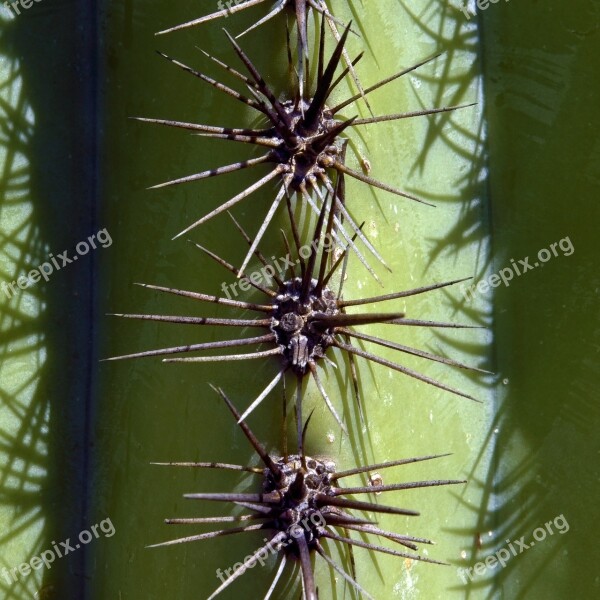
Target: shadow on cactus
[(303, 140), (302, 507), (304, 317), (302, 11)]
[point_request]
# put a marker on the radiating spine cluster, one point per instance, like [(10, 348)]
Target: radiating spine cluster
[(302, 506), (300, 503)]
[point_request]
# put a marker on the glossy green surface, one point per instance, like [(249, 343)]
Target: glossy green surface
[(541, 100), (150, 400), (78, 437), (47, 199)]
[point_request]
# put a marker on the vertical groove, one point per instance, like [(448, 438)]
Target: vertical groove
[(90, 44)]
